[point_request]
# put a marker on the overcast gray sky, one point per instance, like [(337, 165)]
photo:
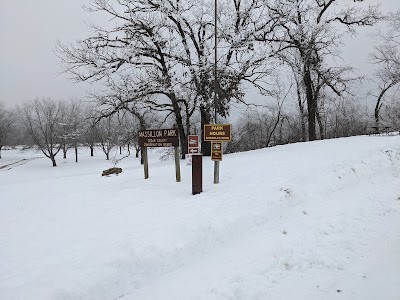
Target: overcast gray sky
[(28, 34), (29, 31)]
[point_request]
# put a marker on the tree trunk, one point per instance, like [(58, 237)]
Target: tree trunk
[(64, 151), (376, 111), (303, 128), (142, 150), (53, 160), (76, 152), (120, 150), (107, 156), (271, 135), (311, 105), (179, 125), (205, 119), (137, 150), (91, 151), (336, 131), (188, 131), (321, 126), (0, 150), (301, 108), (182, 138), (281, 132), (379, 101)]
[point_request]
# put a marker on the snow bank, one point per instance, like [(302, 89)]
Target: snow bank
[(317, 220)]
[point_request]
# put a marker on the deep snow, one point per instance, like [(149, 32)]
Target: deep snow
[(316, 220)]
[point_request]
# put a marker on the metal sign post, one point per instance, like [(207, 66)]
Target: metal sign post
[(216, 163)]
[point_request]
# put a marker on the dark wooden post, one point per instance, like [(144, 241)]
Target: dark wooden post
[(146, 162), (197, 174), (177, 165), (76, 151)]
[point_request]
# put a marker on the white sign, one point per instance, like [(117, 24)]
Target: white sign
[(188, 158)]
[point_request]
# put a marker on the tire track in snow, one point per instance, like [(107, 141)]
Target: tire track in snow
[(17, 163)]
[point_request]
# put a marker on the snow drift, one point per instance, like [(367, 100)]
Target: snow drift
[(317, 220)]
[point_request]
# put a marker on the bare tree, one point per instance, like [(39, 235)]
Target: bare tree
[(163, 51), (42, 119), (263, 128), (343, 116), (131, 125), (310, 31), (7, 120), (137, 46), (387, 57), (89, 136), (73, 126), (392, 113), (108, 132)]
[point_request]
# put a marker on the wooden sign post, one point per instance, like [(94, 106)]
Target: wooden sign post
[(177, 165), (160, 138), (145, 162), (197, 174)]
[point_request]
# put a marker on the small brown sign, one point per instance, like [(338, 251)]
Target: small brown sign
[(216, 151), (193, 150), (218, 132), (193, 141), (159, 138)]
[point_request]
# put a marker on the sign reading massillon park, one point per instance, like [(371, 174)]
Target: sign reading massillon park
[(159, 138), (217, 132)]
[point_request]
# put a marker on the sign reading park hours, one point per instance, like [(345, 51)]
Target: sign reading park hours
[(217, 133), (159, 138)]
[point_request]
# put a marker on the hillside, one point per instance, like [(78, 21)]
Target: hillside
[(316, 220)]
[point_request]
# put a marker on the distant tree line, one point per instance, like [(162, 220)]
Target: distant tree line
[(54, 127)]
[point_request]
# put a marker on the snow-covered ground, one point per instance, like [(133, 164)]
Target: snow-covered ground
[(317, 220)]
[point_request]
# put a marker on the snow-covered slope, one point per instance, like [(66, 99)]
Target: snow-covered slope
[(317, 220)]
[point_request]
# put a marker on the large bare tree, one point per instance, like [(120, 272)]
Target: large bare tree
[(311, 31), (164, 51)]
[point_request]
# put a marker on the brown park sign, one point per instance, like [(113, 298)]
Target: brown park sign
[(218, 132), (193, 141), (216, 151), (159, 138)]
